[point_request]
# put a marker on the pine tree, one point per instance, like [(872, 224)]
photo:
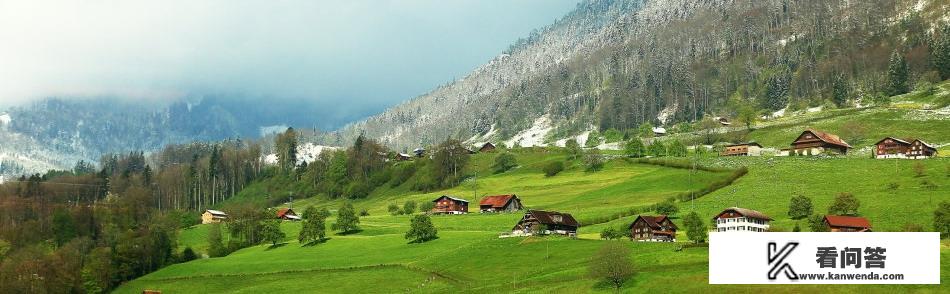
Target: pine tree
[(839, 90), (897, 75), (695, 228)]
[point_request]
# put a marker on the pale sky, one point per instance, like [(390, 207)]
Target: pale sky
[(359, 55)]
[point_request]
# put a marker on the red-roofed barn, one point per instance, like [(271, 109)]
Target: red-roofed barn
[(840, 223), (814, 142), (287, 214), (500, 203)]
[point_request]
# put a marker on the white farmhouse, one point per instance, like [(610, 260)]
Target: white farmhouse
[(735, 219)]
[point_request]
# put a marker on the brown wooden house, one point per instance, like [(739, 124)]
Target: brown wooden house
[(813, 142), (287, 214), (539, 222), (500, 203), (403, 157), (653, 228), (891, 147), (450, 205), (839, 223), (920, 149), (488, 147), (742, 149)]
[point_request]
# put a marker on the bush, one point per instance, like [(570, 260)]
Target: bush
[(667, 207), (426, 206), (358, 190), (364, 212), (909, 227), (504, 162), (594, 161), (942, 219), (610, 233), (188, 255), (553, 168), (612, 135), (421, 229), (409, 207), (817, 223), (394, 209), (612, 264), (634, 148), (695, 228), (844, 204), (799, 207)]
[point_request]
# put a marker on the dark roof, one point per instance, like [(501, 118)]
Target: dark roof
[(548, 218), (828, 138), (847, 221), (895, 139), (285, 211), (497, 201), (450, 197), (488, 145), (746, 213), (742, 144), (653, 221)]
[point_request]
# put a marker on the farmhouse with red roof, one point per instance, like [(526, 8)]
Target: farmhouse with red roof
[(814, 142), (287, 214), (500, 203), (840, 223)]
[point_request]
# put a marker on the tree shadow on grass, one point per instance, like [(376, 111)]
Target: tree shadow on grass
[(275, 246), (315, 243), (349, 232), (420, 241)]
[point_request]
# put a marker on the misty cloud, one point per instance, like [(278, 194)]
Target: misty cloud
[(356, 55)]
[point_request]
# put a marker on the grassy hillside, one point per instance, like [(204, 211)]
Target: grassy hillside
[(469, 256)]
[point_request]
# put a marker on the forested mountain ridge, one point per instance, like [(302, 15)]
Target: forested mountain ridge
[(620, 63)]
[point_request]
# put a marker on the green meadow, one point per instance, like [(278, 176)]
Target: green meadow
[(469, 255)]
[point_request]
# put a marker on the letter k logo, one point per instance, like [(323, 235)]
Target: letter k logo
[(777, 260)]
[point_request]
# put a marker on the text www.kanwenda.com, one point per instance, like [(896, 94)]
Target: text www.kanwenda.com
[(851, 277)]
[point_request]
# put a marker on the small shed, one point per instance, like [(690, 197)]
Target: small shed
[(742, 149), (487, 147), (213, 216), (287, 214), (659, 131)]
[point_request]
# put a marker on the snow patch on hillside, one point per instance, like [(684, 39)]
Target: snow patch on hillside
[(581, 139), (815, 109), (533, 136), (307, 152)]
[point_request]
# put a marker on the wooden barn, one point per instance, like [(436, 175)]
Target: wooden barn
[(741, 219), (839, 223), (653, 228), (450, 205), (813, 142), (403, 157), (539, 222), (419, 152), (891, 147), (742, 149), (488, 147), (213, 216), (500, 203), (287, 214)]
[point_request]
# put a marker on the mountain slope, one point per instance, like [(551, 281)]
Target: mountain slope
[(617, 64)]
